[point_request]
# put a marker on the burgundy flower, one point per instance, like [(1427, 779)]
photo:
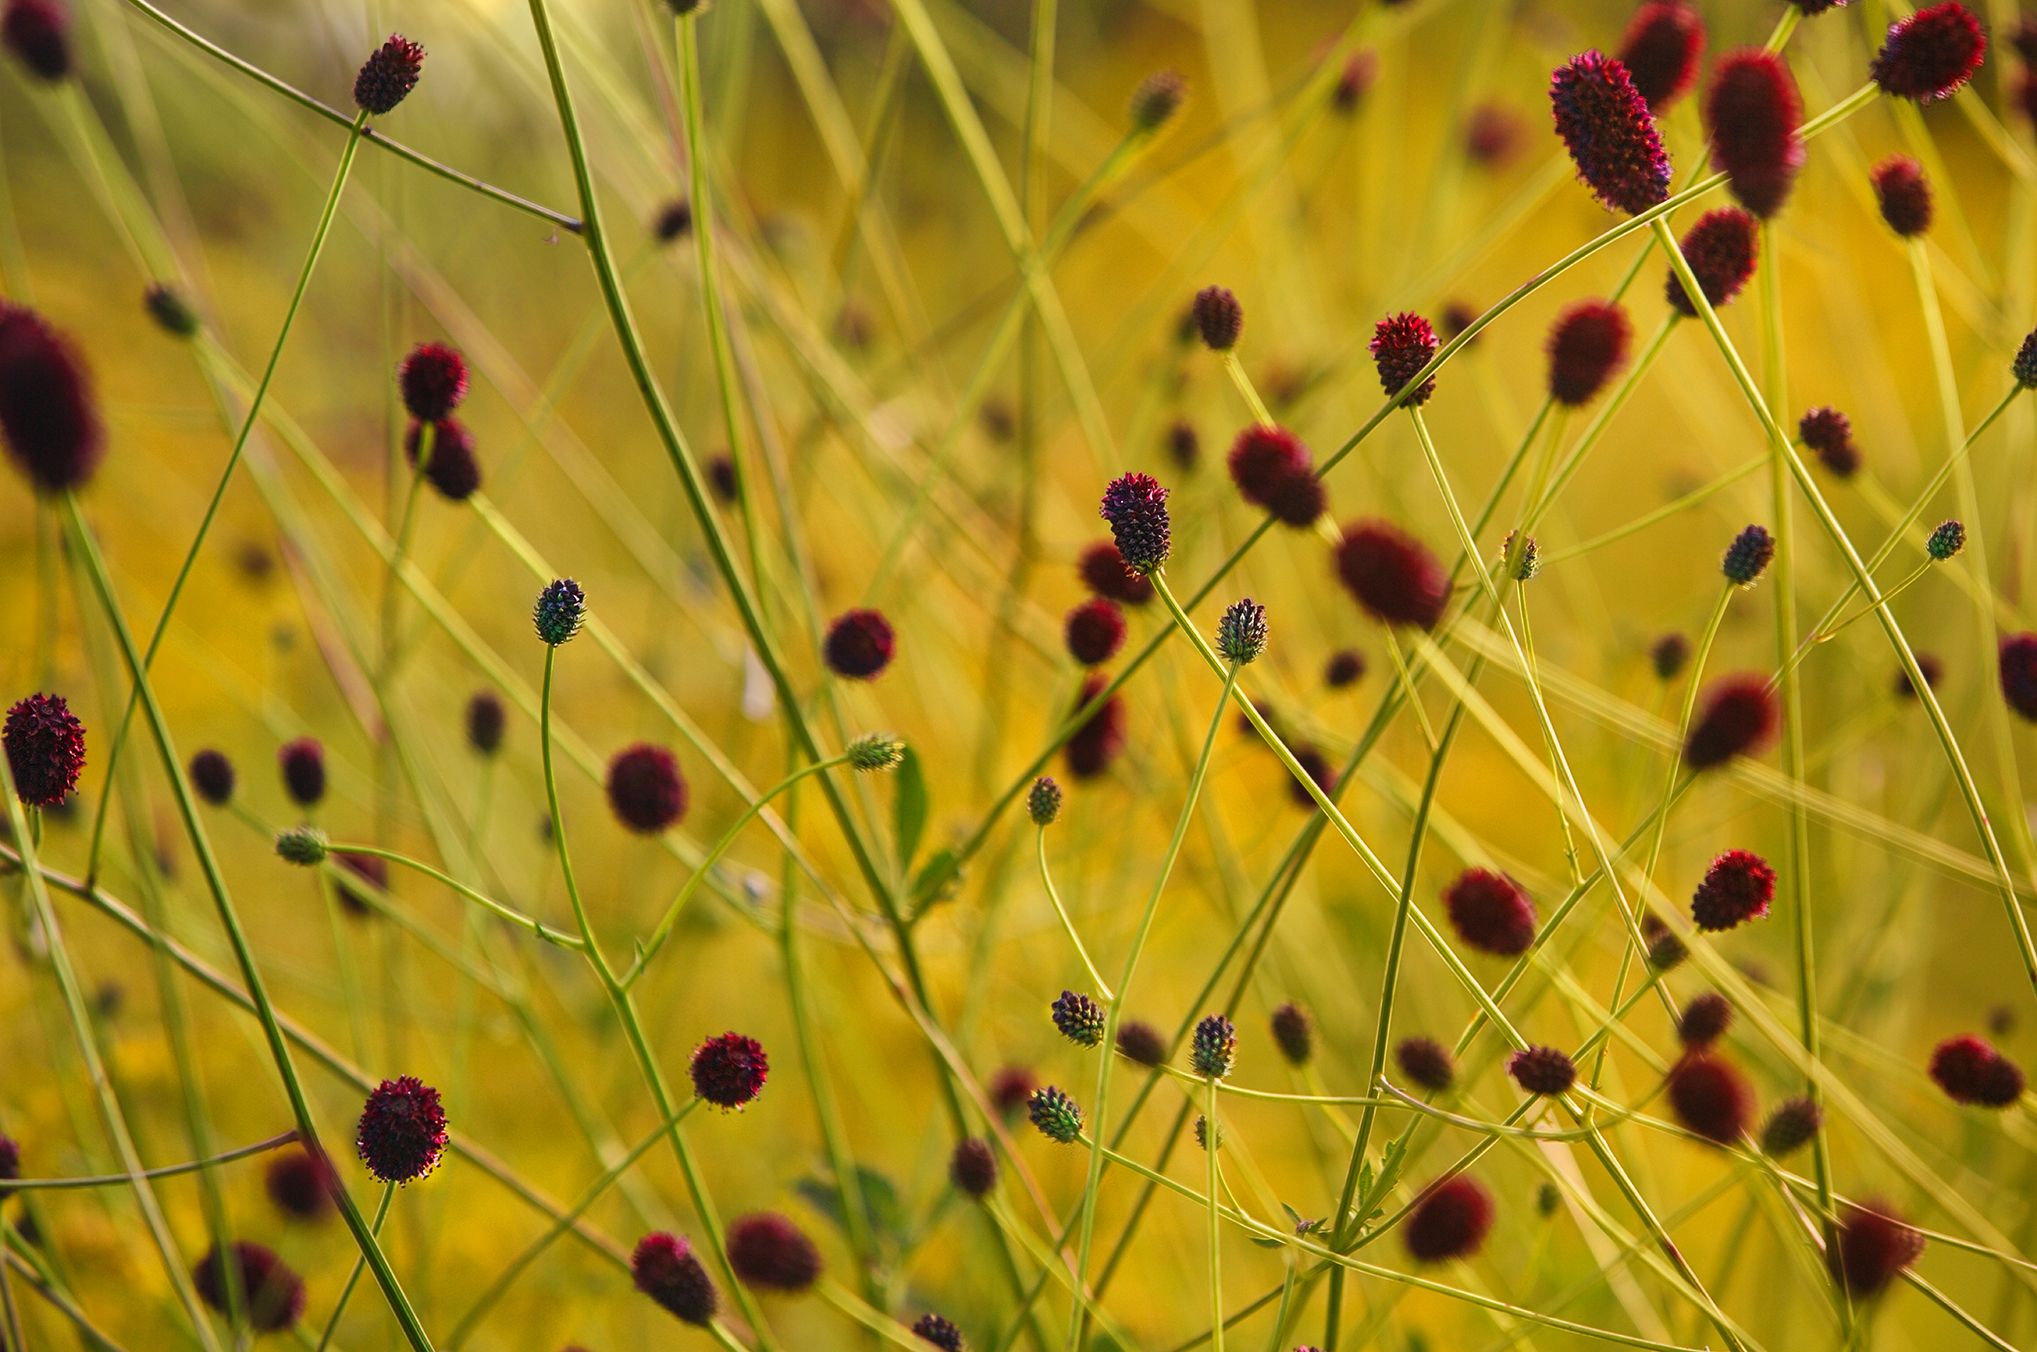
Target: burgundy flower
[(1294, 1032), (1393, 577), (729, 1071), (1873, 1247), (1298, 499), (272, 1295), (1737, 887), (1748, 556), (1354, 79), (1829, 433), (433, 378), (452, 467), (1970, 1070), (1931, 668), (1720, 249), (388, 75), (1141, 1042), (1587, 346), (1661, 49), (1100, 740), (1704, 1020), (1402, 344), (1184, 447), (402, 1133), (303, 765), (45, 745), (301, 1184), (1319, 771), (1103, 572), (1345, 667), (1790, 1126), (1542, 1070), (768, 1251), (1262, 457), (49, 419), (1930, 54), (2019, 673), (939, 1331), (212, 775), (859, 645), (1135, 505), (1710, 1097), (665, 1268), (485, 720), (1738, 718), (1009, 1088), (1752, 111), (1094, 631), (1218, 317), (1605, 124), (1449, 1220), (38, 32), (973, 1167), (1427, 1063), (1490, 912), (1903, 194), (1492, 134), (645, 788)]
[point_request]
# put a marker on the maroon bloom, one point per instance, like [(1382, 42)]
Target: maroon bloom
[(49, 419), (1184, 447), (388, 75), (2018, 662), (1100, 740), (1737, 887), (1262, 458), (1492, 134), (1298, 499), (768, 1251), (1704, 1020), (303, 765), (1094, 631), (451, 466), (859, 645), (1319, 771), (272, 1295), (302, 1185), (938, 1330), (721, 478), (1738, 718), (665, 1268), (1903, 194), (45, 745), (1009, 1088), (972, 1168), (402, 1133), (433, 378), (1873, 1247), (1345, 667), (1393, 577), (485, 721), (1542, 1070), (1710, 1097), (1971, 1070), (1490, 912), (1294, 1032), (645, 788), (1354, 79), (1929, 55), (1605, 124), (38, 32), (1427, 1063), (1668, 655), (1587, 346), (1402, 344), (212, 775), (1141, 1042), (1449, 1220), (1218, 317), (1752, 111), (1104, 572), (1790, 1126), (1829, 433), (1135, 505), (729, 1071), (1720, 249), (1661, 49)]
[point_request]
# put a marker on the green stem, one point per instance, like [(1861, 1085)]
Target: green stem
[(160, 1171), (1067, 924), (482, 899), (346, 1294), (1216, 1251)]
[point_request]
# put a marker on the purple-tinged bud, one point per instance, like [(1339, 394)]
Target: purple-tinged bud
[(1705, 1020), (1218, 317), (1752, 111), (1241, 631), (1058, 1117), (1135, 505), (433, 378), (674, 222), (1661, 48), (1873, 1247), (1738, 718), (768, 1252), (1790, 1127), (2018, 663), (388, 75), (1392, 576), (271, 1294), (1668, 654), (1346, 667), (972, 1168), (1449, 1220), (1748, 557), (1402, 344), (212, 775), (451, 466), (646, 791), (38, 32), (1294, 1032), (1490, 912), (1737, 887), (45, 746), (49, 419), (1931, 54), (560, 610), (1094, 631), (1721, 252), (1079, 1018), (302, 1185), (1710, 1098), (1972, 1071), (729, 1071), (303, 766), (1104, 572), (1214, 1048), (1427, 1064), (859, 645), (939, 1331), (1829, 433), (665, 1268), (1043, 801), (1141, 1043), (1587, 347), (485, 722), (1542, 1070), (1100, 740), (1903, 195), (1610, 133)]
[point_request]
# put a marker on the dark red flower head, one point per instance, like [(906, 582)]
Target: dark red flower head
[(1427, 1063), (769, 1252), (1354, 79), (674, 221), (2024, 367), (1737, 887), (1931, 669), (1970, 1070), (1738, 718), (1587, 346), (1793, 1123), (1298, 499), (1873, 1247), (272, 1295), (729, 1071), (433, 378), (1319, 771), (1930, 54), (1009, 1088), (1710, 1097), (1668, 655), (45, 749), (303, 765), (2018, 663), (645, 788), (1605, 124), (1184, 447), (1135, 505), (302, 1185), (1294, 1032), (1721, 250), (1542, 1070), (212, 775), (859, 645), (1829, 433), (452, 467), (1393, 577), (38, 32), (1094, 631), (402, 1133), (485, 720), (1449, 1220), (1345, 667), (972, 1168), (1140, 1042), (1100, 740), (1705, 1020), (388, 75), (1661, 49), (49, 419), (1752, 111), (1263, 458), (1903, 194), (1492, 134), (665, 1268), (1490, 912), (1103, 572), (1402, 344), (939, 1331), (1218, 317)]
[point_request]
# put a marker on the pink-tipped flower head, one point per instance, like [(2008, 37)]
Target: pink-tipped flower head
[(2018, 663), (1587, 347), (1546, 1071), (972, 1168), (1971, 1070), (1402, 344), (1449, 1220), (1100, 740), (1829, 434), (1738, 718), (1710, 1098), (1218, 317), (271, 1294), (768, 1252), (1661, 48), (1611, 135), (38, 32), (1393, 577), (729, 1071), (451, 466), (388, 75), (49, 419), (1931, 54), (1752, 110), (1135, 505), (1263, 458), (1737, 887), (433, 378), (302, 1185), (1872, 1248), (1704, 1021), (665, 1268), (1721, 251), (1104, 572), (1426, 1063), (1094, 631), (646, 790), (1490, 912), (402, 1133), (1903, 194), (45, 746), (859, 645)]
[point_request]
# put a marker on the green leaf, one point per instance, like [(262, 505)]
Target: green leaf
[(882, 1210), (909, 809), (936, 881)]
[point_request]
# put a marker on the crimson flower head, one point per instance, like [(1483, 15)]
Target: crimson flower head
[(1872, 1248), (1094, 631), (1104, 572), (1829, 433), (1587, 346), (1705, 1020), (645, 788), (1135, 505), (1542, 1070), (402, 1132), (1009, 1088), (1402, 344), (1660, 51), (49, 419), (1354, 79), (859, 645), (433, 378), (1490, 912), (1929, 55), (938, 1330), (1710, 1097), (1739, 718), (1427, 1063), (388, 75), (2018, 662), (972, 1168), (665, 1268), (38, 32), (1752, 111), (1141, 1043), (729, 1071), (212, 775), (1100, 740), (451, 465), (45, 746), (1218, 317), (1737, 887), (1610, 133), (1721, 251), (301, 1184), (1393, 577), (1970, 1070), (1790, 1126), (1449, 1220), (1294, 1032), (1903, 195), (485, 721), (1263, 458), (271, 1294), (769, 1252)]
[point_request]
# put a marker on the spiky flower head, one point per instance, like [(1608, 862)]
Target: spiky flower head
[(1202, 1133), (1294, 1032), (433, 378), (1490, 912), (1449, 1220), (875, 751), (1790, 1126), (1931, 54), (271, 1294), (1748, 556), (1738, 718), (1721, 252), (1427, 1063), (1043, 802), (1668, 654), (859, 645), (1392, 575), (1752, 111), (1947, 539), (1402, 344), (1610, 133), (38, 32), (1094, 631), (1873, 1246), (1058, 1117), (212, 776), (1214, 1048), (45, 745), (972, 1168), (1135, 505), (485, 723), (1903, 194), (1218, 317), (560, 610), (1542, 1070), (49, 417), (388, 75), (1527, 562), (1157, 99), (1710, 1097), (1829, 433), (1587, 347), (1080, 1018), (1241, 631), (2024, 368), (940, 1331), (646, 790), (1660, 51), (402, 1132), (1140, 1042), (1705, 1020), (1737, 887), (766, 1251), (172, 313), (729, 1071), (1971, 1070), (1103, 571), (305, 845), (665, 1268)]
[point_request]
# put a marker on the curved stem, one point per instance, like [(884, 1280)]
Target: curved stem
[(160, 1171), (1067, 924), (486, 902)]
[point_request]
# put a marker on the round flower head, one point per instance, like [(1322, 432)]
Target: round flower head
[(49, 419), (674, 222), (1931, 669), (388, 75), (1136, 507), (1829, 433), (769, 1252), (38, 32), (1748, 557), (303, 766), (1157, 99), (1140, 1042), (1668, 654), (1263, 458), (485, 720), (1490, 912), (1393, 577), (1094, 631), (1104, 572), (170, 311), (939, 1331), (1184, 447), (1080, 1019), (1970, 1070), (729, 1071), (1043, 801), (1491, 136), (1736, 888), (451, 466), (1294, 1032), (1100, 740), (859, 645), (721, 478), (301, 1184), (1360, 69), (1057, 1116), (1542, 1070), (1456, 317), (1402, 344), (1009, 1090), (1345, 667), (665, 1268), (1298, 499), (1665, 949), (1903, 195), (873, 752), (1872, 1248), (1241, 632), (1752, 111), (1738, 718), (1218, 317), (1587, 346), (1929, 55), (1704, 1020), (645, 788), (433, 378), (1710, 1098), (1427, 1063), (271, 1295), (2018, 662), (1214, 1048), (302, 845), (366, 870), (1720, 249), (1947, 539), (402, 1133), (212, 775), (2024, 369), (972, 1168), (1790, 1127), (560, 610), (1449, 1220), (1610, 134), (45, 745), (1660, 51)]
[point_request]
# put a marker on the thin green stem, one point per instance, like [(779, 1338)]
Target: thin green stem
[(1211, 1138), (339, 1307), (481, 899), (1067, 924)]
